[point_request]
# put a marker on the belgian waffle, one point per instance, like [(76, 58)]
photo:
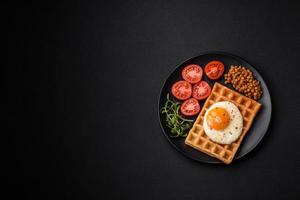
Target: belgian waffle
[(199, 140)]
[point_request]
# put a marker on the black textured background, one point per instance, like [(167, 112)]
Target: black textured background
[(81, 87)]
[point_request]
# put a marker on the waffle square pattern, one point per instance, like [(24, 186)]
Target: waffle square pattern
[(199, 140)]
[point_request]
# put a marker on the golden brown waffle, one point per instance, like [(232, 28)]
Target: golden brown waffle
[(199, 140)]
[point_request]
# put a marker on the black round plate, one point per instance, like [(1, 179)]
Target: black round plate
[(259, 126)]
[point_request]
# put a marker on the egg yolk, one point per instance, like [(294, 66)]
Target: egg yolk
[(218, 118)]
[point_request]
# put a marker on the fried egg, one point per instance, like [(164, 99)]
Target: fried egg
[(223, 122)]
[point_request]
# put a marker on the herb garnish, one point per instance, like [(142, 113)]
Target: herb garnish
[(175, 121)]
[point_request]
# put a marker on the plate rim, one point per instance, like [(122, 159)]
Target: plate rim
[(216, 162)]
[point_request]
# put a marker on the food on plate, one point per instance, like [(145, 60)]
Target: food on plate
[(192, 73), (178, 124), (190, 107), (182, 90), (214, 69), (198, 139), (201, 90), (242, 80), (223, 122)]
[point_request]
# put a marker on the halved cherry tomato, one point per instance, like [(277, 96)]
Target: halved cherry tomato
[(201, 90), (214, 69), (192, 73), (190, 107), (182, 90)]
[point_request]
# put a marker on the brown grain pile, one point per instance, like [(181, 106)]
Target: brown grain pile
[(243, 81)]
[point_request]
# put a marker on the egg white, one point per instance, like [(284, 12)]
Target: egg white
[(232, 132)]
